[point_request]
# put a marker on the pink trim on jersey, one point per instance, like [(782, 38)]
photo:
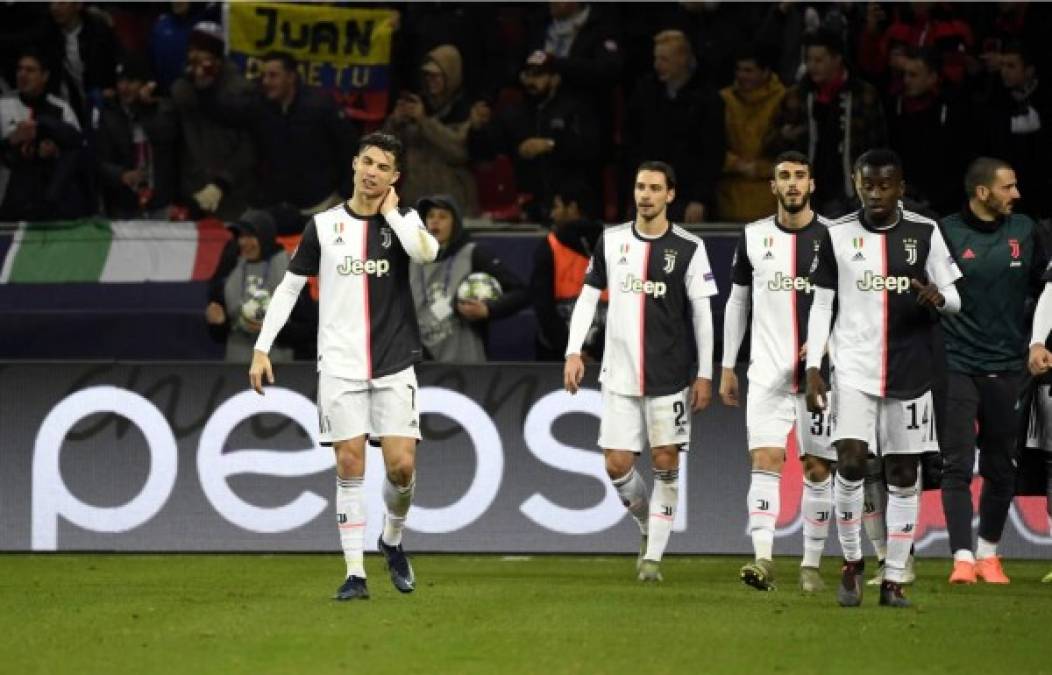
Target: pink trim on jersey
[(795, 387), (643, 324), (884, 334), (365, 304)]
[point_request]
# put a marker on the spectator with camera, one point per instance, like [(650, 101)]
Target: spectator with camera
[(136, 155), (240, 290), (453, 305), (433, 125)]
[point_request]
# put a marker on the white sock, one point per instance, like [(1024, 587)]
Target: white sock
[(633, 493), (816, 507), (849, 500), (763, 504), (350, 519), (903, 505), (397, 498), (963, 554), (873, 518), (662, 512), (985, 549)]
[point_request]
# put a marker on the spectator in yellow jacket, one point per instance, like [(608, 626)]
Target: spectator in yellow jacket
[(750, 104)]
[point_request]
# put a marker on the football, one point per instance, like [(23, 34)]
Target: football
[(479, 286), (255, 308)]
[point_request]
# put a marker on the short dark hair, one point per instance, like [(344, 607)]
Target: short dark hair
[(288, 62), (1020, 48), (574, 191), (795, 157), (661, 167), (31, 52), (386, 142), (759, 53), (878, 157), (982, 171), (823, 37), (931, 59)]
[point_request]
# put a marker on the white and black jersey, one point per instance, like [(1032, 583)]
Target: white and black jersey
[(882, 338), (652, 283), (774, 263), (367, 327)]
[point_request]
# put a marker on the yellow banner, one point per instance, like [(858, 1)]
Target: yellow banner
[(338, 36)]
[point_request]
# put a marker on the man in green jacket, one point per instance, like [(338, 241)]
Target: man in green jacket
[(1002, 261)]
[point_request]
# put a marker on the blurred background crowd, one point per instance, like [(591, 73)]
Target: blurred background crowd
[(534, 113)]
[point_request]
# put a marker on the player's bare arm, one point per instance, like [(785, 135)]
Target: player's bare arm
[(259, 369), (573, 373), (700, 394), (729, 387), (816, 391)]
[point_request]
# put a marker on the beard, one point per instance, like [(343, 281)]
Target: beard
[(795, 208)]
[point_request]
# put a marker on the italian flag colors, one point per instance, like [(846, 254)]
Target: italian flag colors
[(104, 251)]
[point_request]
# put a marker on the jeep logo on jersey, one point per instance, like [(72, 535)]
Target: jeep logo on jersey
[(910, 245), (633, 284), (670, 260), (879, 282), (787, 282), (376, 268)]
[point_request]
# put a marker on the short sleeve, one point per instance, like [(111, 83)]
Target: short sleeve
[(941, 267), (824, 268), (307, 258), (595, 275), (741, 267), (699, 279)]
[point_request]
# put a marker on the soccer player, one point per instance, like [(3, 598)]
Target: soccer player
[(888, 269), (1039, 362), (368, 342), (1003, 261), (772, 263), (660, 283)]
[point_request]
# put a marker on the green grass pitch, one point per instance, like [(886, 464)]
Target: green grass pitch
[(84, 613)]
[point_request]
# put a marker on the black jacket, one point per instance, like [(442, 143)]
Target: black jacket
[(304, 152), (566, 119), (116, 154), (687, 131)]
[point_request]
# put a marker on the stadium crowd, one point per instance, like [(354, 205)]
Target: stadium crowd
[(125, 108)]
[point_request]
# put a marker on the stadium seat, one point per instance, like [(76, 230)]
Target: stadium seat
[(498, 197)]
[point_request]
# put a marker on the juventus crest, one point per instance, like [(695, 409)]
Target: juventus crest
[(385, 237), (670, 260), (910, 246)]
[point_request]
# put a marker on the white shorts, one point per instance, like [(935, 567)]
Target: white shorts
[(900, 427), (384, 406), (637, 422), (771, 413), (1039, 425)]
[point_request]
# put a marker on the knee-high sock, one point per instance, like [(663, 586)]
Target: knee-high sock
[(849, 501), (816, 507), (350, 519), (398, 498), (873, 514), (662, 512), (764, 502), (903, 505), (633, 493)]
